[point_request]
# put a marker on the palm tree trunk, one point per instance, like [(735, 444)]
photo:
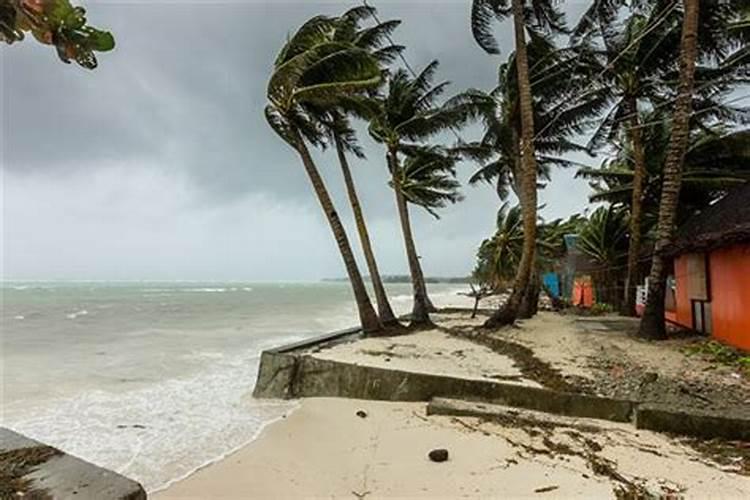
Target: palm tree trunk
[(639, 174), (530, 300), (421, 308), (652, 325), (384, 307), (507, 314), (368, 319)]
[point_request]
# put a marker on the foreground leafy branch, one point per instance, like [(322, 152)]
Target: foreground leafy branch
[(57, 23)]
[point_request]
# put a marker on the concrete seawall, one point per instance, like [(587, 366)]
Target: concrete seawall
[(294, 371), (30, 469)]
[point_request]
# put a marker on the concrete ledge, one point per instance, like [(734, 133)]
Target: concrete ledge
[(319, 341), (40, 471), (693, 423), (462, 408), (291, 372), (287, 375)]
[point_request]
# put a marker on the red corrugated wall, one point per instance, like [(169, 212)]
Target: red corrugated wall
[(730, 295)]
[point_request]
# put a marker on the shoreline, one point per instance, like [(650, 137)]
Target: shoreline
[(324, 449), (208, 463)]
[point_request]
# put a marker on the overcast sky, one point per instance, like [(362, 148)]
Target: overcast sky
[(159, 164)]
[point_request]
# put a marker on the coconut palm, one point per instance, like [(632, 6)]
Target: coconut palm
[(498, 257), (317, 74), (715, 40), (374, 39), (716, 161), (404, 115), (542, 15), (604, 239), (638, 55), (555, 103), (633, 57)]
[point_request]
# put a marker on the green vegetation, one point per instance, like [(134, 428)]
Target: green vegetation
[(58, 23), (716, 352), (626, 64)]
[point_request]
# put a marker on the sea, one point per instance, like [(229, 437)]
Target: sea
[(152, 379)]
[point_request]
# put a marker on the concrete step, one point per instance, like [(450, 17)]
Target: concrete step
[(30, 469)]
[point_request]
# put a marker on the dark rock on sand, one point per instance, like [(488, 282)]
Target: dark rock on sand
[(438, 455)]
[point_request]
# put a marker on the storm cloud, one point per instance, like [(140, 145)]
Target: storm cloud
[(159, 164)]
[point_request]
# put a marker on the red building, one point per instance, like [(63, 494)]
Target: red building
[(709, 290)]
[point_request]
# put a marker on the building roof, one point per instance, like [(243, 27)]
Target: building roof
[(724, 223)]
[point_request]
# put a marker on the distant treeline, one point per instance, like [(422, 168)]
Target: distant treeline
[(404, 278)]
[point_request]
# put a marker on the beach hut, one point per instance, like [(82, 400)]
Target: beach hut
[(709, 287)]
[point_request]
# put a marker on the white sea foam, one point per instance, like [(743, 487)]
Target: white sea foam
[(156, 389), (74, 315), (159, 433)]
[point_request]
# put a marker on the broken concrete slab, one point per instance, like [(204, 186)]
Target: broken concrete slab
[(32, 469), (493, 411), (693, 422)]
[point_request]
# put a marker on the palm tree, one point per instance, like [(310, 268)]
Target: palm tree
[(318, 74), (604, 239), (543, 15), (498, 151), (498, 256), (374, 40), (426, 179), (405, 115), (638, 57), (716, 161), (715, 39), (634, 56)]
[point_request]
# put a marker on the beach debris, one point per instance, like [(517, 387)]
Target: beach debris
[(438, 455), (545, 489), (361, 413), (360, 495)]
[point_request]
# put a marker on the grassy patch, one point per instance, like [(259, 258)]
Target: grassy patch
[(716, 352)]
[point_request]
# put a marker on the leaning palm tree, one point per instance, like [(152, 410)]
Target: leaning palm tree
[(715, 40), (543, 15), (318, 74), (406, 114), (638, 57), (425, 179), (376, 40), (634, 56)]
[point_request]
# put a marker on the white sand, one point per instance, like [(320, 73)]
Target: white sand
[(430, 351), (323, 450)]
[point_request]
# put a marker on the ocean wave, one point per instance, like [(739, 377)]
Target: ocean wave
[(74, 315), (163, 432)]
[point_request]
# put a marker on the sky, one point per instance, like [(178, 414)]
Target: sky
[(159, 164)]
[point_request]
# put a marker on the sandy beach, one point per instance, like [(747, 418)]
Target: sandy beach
[(324, 450)]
